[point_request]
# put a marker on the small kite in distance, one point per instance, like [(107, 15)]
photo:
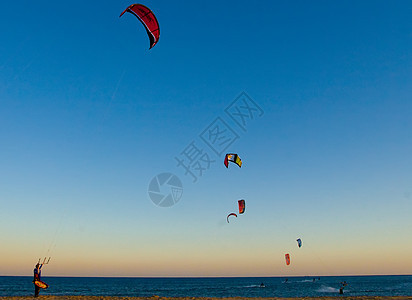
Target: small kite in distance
[(231, 214), (148, 19), (299, 242), (241, 206), (287, 258), (232, 157)]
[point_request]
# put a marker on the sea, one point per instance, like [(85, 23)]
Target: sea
[(212, 287)]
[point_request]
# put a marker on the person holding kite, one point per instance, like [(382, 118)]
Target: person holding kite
[(38, 283), (37, 277)]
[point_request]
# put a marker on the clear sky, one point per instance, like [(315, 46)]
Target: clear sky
[(88, 116)]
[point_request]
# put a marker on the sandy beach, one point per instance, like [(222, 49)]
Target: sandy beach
[(198, 298)]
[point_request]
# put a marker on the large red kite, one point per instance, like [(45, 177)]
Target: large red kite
[(148, 19)]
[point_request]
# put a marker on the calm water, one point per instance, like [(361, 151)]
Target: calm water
[(212, 287)]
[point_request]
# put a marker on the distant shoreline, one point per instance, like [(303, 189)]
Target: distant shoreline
[(51, 297)]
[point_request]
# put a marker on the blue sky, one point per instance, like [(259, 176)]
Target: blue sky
[(88, 115)]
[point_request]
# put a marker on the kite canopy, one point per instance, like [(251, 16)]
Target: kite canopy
[(299, 242), (148, 19), (231, 214), (232, 157), (241, 206), (287, 258)]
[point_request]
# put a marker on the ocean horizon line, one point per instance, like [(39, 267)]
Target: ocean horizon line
[(200, 277)]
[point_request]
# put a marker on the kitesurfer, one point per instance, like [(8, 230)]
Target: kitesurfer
[(262, 285), (37, 276), (342, 287)]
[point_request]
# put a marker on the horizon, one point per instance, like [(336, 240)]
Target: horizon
[(200, 277)]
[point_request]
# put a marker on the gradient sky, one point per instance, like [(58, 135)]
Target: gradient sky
[(88, 116)]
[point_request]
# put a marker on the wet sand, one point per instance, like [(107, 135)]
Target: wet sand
[(200, 298)]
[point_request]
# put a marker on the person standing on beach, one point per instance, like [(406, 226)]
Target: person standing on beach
[(37, 276)]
